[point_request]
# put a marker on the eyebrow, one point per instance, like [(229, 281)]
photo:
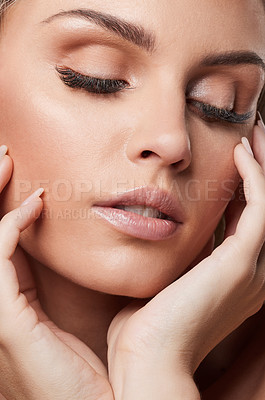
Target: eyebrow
[(234, 58), (146, 39), (133, 33)]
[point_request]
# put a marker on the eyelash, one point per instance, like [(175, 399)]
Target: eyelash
[(107, 87), (90, 84), (213, 114)]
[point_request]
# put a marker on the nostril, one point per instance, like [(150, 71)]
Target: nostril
[(146, 153), (177, 163)]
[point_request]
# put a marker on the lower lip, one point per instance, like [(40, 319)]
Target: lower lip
[(136, 225)]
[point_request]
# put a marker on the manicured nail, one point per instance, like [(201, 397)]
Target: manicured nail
[(261, 122), (246, 144), (3, 150), (33, 196)]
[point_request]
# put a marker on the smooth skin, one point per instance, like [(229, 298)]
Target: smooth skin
[(86, 272), (144, 355), (232, 282)]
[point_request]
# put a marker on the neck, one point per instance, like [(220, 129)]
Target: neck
[(82, 312)]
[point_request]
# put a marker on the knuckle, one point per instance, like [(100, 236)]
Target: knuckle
[(247, 275), (248, 280), (9, 220), (5, 219)]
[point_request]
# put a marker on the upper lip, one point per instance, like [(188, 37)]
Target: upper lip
[(149, 197)]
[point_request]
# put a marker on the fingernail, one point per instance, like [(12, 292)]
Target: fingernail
[(3, 150), (33, 196), (246, 144), (261, 122)]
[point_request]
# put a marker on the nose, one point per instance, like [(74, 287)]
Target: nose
[(161, 136)]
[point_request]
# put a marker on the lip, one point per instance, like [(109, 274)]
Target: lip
[(137, 225)]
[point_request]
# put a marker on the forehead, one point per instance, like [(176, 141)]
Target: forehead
[(180, 25)]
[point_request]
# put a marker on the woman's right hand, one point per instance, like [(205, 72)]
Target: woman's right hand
[(37, 359)]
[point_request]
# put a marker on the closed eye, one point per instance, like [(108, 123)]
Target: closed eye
[(211, 113), (100, 86), (91, 84)]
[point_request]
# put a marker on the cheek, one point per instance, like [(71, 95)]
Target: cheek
[(213, 159), (51, 144), (212, 182)]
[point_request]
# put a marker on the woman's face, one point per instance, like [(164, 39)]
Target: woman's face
[(84, 148)]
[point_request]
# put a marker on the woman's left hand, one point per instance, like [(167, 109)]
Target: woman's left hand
[(162, 342)]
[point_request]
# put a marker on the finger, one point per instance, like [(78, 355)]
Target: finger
[(236, 206), (11, 225), (259, 146), (6, 167), (15, 222), (20, 263), (251, 226)]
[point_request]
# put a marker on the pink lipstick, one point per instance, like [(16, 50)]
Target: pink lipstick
[(145, 213)]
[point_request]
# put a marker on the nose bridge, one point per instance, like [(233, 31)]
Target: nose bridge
[(165, 117), (162, 128), (166, 110)]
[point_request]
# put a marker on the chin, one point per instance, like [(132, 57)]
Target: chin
[(132, 279), (132, 269), (140, 290)]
